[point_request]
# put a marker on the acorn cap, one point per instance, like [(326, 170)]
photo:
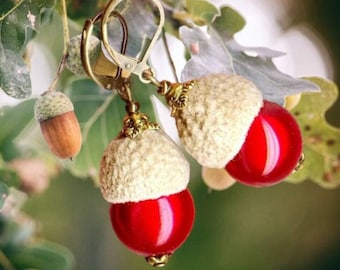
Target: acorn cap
[(73, 60), (219, 111), (51, 104), (146, 167)]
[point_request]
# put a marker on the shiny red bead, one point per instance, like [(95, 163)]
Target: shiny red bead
[(272, 148), (154, 227)]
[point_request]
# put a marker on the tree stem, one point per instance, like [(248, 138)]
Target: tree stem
[(167, 50)]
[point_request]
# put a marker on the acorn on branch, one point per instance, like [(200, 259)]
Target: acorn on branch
[(73, 60), (213, 115), (145, 176), (59, 124)]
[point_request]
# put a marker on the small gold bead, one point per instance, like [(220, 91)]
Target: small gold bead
[(158, 260)]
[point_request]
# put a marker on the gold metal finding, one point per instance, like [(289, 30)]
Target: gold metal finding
[(158, 260), (176, 94), (126, 63), (136, 122), (103, 71), (300, 163)]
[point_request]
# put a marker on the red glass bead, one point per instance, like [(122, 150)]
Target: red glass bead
[(272, 148), (154, 227)]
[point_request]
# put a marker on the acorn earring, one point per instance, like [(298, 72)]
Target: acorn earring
[(143, 175)]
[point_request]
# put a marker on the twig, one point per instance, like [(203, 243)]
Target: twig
[(100, 110), (5, 262), (65, 24), (66, 34), (167, 50), (11, 10)]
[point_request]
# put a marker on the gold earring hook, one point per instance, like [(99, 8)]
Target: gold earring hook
[(104, 72), (129, 64)]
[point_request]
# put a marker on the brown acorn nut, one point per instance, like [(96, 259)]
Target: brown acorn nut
[(215, 120), (145, 167), (59, 124)]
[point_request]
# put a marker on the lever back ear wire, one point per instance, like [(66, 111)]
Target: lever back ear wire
[(104, 72), (129, 64)]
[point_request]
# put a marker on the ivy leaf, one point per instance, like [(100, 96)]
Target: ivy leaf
[(321, 140), (213, 54), (18, 24)]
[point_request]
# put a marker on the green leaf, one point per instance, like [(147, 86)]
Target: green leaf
[(99, 115), (14, 74), (3, 193), (213, 54), (18, 25), (9, 177), (40, 255), (201, 11), (321, 140), (15, 119), (229, 22)]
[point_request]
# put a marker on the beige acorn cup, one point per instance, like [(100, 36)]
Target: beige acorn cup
[(142, 165), (213, 115), (73, 60)]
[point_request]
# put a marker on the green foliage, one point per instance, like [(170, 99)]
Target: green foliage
[(19, 22), (206, 31), (228, 22), (100, 115), (40, 255), (3, 193), (321, 140), (14, 119), (220, 54)]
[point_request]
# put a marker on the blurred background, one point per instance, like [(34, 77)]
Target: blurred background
[(287, 226)]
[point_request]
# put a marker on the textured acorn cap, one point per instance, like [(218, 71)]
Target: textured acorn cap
[(73, 60), (51, 104), (214, 123), (146, 167)]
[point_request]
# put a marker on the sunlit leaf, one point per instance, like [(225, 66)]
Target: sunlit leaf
[(201, 11), (213, 54), (321, 140), (166, 122), (14, 74), (229, 22)]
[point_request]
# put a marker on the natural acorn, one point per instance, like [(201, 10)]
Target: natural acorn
[(59, 124), (73, 59), (213, 115), (145, 179)]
